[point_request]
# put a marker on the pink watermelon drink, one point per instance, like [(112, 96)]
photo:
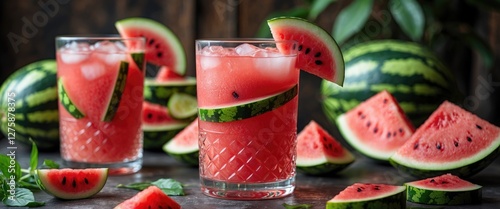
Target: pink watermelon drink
[(100, 83), (247, 98)]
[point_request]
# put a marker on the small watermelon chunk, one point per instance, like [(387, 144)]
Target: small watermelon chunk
[(319, 54), (154, 114), (452, 140), (165, 73), (319, 153), (72, 183), (361, 195), (446, 189), (163, 47), (377, 127), (184, 146), (151, 197)]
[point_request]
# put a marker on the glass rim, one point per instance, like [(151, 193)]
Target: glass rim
[(243, 40), (96, 37)]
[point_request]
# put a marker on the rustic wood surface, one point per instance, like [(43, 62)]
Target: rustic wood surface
[(314, 190)]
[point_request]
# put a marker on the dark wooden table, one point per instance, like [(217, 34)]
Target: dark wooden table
[(310, 189)]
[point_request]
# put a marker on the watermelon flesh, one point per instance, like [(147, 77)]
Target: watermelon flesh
[(446, 182), (377, 127), (452, 140), (72, 183), (154, 114), (319, 153), (446, 189), (184, 145), (152, 197), (167, 74), (319, 54), (163, 47), (361, 195)]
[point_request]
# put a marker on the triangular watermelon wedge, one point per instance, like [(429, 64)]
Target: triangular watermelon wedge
[(319, 54)]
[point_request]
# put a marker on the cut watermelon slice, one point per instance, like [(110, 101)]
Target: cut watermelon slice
[(72, 183), (151, 197), (162, 45), (360, 195), (319, 54), (377, 128), (167, 74), (452, 140), (184, 146), (319, 153), (443, 190)]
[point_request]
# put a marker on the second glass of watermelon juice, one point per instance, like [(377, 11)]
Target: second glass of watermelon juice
[(100, 85), (248, 100)]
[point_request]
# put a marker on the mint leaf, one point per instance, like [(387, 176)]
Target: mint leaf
[(299, 206), (50, 164), (22, 197), (168, 186)]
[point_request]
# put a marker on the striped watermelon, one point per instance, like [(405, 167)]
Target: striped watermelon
[(33, 90), (412, 74)]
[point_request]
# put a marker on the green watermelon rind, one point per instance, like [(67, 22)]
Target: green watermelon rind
[(189, 155), (461, 170), (155, 27), (116, 94), (45, 185), (36, 113), (159, 92), (322, 36), (393, 200), (155, 136), (323, 168), (247, 109), (351, 138), (359, 81), (421, 195), (66, 101)]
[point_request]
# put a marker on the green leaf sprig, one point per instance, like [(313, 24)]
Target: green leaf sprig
[(17, 184), (168, 186)]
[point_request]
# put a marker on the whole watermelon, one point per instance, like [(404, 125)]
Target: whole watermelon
[(410, 72), (28, 106)]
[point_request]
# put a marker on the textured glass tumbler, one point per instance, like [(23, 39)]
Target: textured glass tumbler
[(100, 85), (248, 99)]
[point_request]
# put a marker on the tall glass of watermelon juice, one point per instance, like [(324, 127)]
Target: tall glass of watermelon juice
[(100, 85), (248, 99)]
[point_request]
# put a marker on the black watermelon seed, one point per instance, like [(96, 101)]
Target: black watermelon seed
[(479, 127), (151, 41), (388, 135), (415, 146), (149, 115), (294, 46), (359, 189), (385, 101), (325, 139), (432, 180), (438, 146), (363, 116), (63, 181), (375, 130), (235, 95), (318, 62), (307, 51), (444, 182), (469, 139), (368, 124), (318, 54), (300, 48), (73, 183), (157, 46), (400, 130), (86, 180), (455, 142), (159, 54)]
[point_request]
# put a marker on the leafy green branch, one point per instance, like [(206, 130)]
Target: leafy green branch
[(430, 22)]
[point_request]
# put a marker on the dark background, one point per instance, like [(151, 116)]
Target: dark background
[(193, 19)]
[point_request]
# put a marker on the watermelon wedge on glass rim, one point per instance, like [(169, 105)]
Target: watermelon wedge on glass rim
[(319, 54)]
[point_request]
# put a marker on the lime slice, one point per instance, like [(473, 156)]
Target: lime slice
[(248, 109), (182, 106)]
